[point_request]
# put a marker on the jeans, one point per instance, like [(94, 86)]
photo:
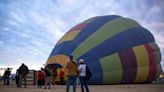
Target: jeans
[(6, 80), (84, 82), (71, 78)]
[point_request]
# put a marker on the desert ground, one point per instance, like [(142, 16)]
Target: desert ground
[(93, 88)]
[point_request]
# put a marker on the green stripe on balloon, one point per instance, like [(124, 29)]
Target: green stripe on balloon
[(107, 31), (112, 69)]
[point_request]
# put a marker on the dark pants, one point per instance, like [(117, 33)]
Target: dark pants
[(17, 80), (62, 80), (84, 82), (22, 78), (6, 80), (41, 82)]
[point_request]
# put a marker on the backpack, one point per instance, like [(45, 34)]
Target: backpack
[(88, 74), (23, 70), (48, 72)]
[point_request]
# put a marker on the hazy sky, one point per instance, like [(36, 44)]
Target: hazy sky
[(29, 29)]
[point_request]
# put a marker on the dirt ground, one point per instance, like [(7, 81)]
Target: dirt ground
[(93, 88)]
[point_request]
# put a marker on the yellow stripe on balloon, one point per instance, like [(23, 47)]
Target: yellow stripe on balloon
[(58, 59), (69, 36), (142, 63)]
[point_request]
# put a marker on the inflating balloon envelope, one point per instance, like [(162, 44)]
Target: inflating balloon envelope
[(116, 50)]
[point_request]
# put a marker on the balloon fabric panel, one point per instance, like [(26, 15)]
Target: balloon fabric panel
[(84, 33), (142, 63), (106, 31), (152, 65), (112, 69), (129, 65)]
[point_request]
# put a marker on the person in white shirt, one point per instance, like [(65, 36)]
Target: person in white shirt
[(82, 74)]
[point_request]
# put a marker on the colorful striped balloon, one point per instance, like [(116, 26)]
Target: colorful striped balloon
[(116, 50)]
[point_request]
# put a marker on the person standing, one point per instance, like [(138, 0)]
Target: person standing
[(82, 75), (48, 79), (22, 71), (6, 76), (41, 77), (62, 74), (17, 78), (72, 73)]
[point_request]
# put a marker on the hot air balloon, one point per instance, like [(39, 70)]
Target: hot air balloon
[(116, 50)]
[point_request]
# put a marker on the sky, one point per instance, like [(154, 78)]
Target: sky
[(29, 29)]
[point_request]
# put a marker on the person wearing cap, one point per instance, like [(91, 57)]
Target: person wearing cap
[(72, 73), (82, 75)]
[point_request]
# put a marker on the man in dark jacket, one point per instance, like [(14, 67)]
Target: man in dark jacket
[(6, 76), (23, 71)]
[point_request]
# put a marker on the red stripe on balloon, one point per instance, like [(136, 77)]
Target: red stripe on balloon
[(78, 27), (152, 65), (129, 65)]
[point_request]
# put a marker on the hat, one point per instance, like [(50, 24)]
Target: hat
[(81, 61)]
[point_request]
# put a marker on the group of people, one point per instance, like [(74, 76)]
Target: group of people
[(74, 71), (44, 77), (21, 75)]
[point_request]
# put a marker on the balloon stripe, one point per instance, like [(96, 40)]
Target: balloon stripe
[(142, 63), (95, 67), (152, 65), (69, 36), (112, 69), (157, 56), (78, 27), (68, 46), (108, 30), (59, 59), (129, 65), (129, 38)]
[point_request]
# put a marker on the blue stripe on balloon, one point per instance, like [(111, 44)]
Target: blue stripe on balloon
[(120, 42), (67, 47), (95, 70)]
